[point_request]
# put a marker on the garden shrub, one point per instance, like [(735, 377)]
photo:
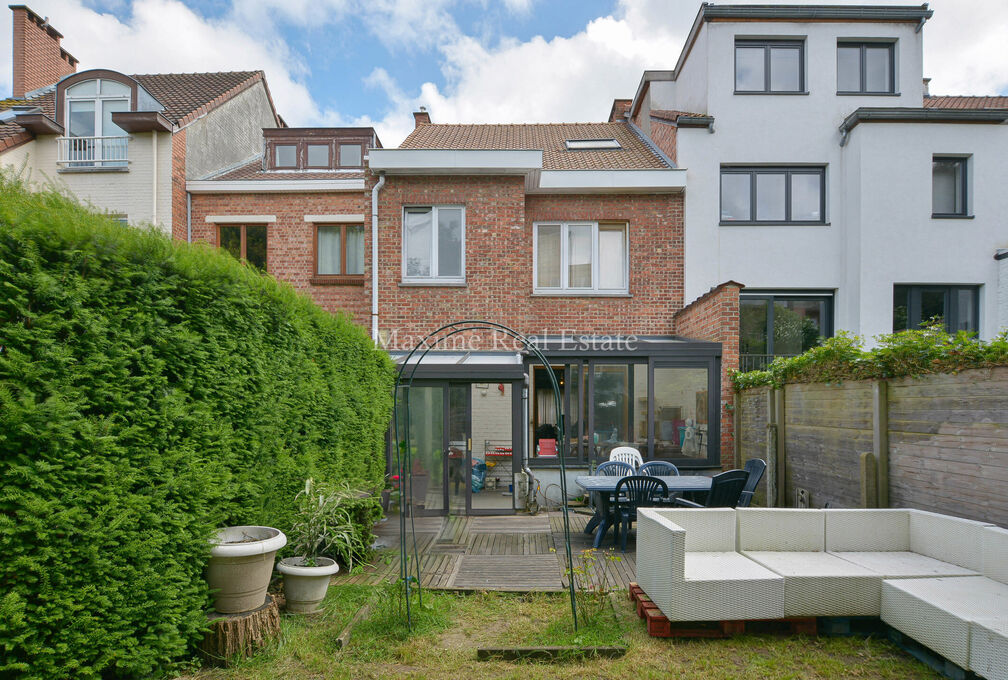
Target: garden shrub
[(151, 391), (906, 353)]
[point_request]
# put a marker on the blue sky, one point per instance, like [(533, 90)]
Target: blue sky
[(372, 62)]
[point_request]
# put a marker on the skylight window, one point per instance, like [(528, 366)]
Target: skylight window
[(592, 144)]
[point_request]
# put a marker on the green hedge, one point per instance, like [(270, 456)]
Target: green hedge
[(149, 392), (907, 353)]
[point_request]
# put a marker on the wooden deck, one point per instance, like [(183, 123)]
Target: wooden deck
[(520, 553)]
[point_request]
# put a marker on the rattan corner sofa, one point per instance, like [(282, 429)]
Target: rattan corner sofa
[(941, 580)]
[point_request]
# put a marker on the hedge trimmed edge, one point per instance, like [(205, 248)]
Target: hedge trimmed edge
[(151, 391), (907, 353)]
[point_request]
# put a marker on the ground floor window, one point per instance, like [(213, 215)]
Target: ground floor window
[(773, 324), (956, 307), (660, 407), (245, 242)]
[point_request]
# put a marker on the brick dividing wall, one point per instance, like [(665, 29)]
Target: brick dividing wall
[(714, 316), (663, 134), (38, 59), (289, 243), (178, 175)]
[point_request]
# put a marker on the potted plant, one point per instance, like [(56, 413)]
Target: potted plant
[(241, 562), (324, 526)]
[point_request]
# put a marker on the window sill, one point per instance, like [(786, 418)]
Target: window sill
[(433, 284), (941, 216), (578, 293), (333, 280), (120, 168), (773, 224), (868, 94), (786, 94)]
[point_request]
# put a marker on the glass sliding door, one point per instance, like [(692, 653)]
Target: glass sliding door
[(426, 447), (682, 406), (494, 426)]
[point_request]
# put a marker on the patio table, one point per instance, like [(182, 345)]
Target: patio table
[(602, 486)]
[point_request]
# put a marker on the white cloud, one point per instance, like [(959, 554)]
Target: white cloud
[(572, 77)]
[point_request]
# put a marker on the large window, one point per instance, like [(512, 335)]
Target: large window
[(781, 324), (92, 138), (949, 183), (956, 307), (581, 257), (245, 242), (773, 195), (434, 244), (339, 253), (866, 67), (769, 66), (661, 408)]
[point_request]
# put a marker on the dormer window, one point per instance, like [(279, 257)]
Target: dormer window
[(866, 67), (317, 149), (769, 66), (93, 139), (285, 155), (592, 144)]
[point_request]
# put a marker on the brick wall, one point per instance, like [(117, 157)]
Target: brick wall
[(38, 58), (714, 316), (289, 242), (663, 134), (178, 185), (499, 223)]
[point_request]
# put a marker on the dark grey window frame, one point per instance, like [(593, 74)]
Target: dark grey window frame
[(864, 45), (767, 45), (788, 171), (826, 296), (914, 292), (963, 185)]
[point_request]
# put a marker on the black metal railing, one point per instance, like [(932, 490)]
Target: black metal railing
[(758, 362)]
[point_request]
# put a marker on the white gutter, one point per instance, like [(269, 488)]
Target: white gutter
[(611, 181), (188, 209), (154, 176), (374, 255), (455, 161), (273, 186)]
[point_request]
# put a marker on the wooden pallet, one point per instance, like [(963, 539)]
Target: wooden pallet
[(658, 625)]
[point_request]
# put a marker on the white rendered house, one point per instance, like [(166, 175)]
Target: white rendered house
[(826, 179)]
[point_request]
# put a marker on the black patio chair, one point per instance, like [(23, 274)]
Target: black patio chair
[(725, 491), (755, 467), (614, 468), (658, 468), (638, 491)]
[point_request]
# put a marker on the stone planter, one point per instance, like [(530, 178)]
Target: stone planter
[(241, 563), (305, 587)]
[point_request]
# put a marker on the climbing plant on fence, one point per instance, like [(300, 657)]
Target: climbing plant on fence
[(907, 353), (151, 391)]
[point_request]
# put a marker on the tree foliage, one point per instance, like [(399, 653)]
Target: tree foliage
[(151, 391)]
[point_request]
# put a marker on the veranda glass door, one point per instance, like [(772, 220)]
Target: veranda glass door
[(427, 446)]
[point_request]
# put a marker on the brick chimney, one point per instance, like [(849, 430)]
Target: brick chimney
[(38, 58), (421, 117)]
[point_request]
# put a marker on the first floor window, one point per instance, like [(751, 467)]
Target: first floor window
[(781, 324), (339, 250), (245, 242), (948, 190), (773, 194), (866, 67), (434, 244), (954, 307), (581, 257)]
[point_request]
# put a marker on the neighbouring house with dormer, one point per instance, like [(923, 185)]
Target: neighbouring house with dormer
[(825, 177), (126, 143)]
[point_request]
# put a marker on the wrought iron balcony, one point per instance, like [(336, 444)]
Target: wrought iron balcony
[(93, 152)]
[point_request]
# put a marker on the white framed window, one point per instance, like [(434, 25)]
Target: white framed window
[(92, 139), (434, 244), (580, 257)]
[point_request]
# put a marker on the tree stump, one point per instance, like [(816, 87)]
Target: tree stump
[(234, 636)]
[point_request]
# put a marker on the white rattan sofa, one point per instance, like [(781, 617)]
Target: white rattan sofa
[(941, 580)]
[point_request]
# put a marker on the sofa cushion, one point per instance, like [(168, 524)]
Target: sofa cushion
[(937, 611), (867, 530), (949, 539), (707, 530), (904, 564), (995, 554), (778, 529), (988, 641), (822, 584), (722, 586)]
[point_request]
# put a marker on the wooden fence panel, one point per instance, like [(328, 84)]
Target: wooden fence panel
[(753, 431)]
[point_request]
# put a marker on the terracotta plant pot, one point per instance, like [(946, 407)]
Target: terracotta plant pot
[(241, 563), (305, 587)]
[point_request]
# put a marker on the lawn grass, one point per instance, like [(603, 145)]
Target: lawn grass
[(449, 627)]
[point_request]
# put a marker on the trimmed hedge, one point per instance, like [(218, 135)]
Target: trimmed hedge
[(151, 391), (907, 353)]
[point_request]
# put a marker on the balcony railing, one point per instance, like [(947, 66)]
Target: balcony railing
[(93, 152), (758, 362)]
